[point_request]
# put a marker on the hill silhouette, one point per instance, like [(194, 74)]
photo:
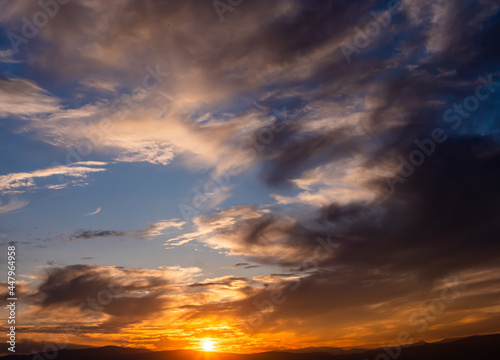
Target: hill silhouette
[(476, 347)]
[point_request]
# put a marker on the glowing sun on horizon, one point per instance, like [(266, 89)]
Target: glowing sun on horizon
[(208, 345)]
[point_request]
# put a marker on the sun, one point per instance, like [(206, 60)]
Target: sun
[(208, 345)]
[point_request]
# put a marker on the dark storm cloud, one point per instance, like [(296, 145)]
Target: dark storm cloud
[(105, 290), (416, 90), (470, 33), (446, 212), (286, 159), (443, 218), (74, 283), (222, 52)]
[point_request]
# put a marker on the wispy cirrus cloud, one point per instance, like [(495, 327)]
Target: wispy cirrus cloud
[(7, 57), (101, 85), (16, 183), (157, 228), (21, 97), (12, 205), (97, 211), (153, 230)]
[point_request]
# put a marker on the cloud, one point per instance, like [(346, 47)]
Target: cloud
[(13, 205), (368, 304), (152, 153), (242, 265), (21, 97), (97, 211), (226, 281), (6, 56), (133, 295), (99, 84), (429, 227), (185, 115), (445, 212), (317, 189), (22, 182), (253, 232), (89, 234), (104, 301), (155, 229)]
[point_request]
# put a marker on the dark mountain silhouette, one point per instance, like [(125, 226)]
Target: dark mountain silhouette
[(420, 343), (329, 350), (484, 347)]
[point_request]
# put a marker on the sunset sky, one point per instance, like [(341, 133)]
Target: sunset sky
[(259, 174)]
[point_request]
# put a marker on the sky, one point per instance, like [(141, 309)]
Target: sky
[(263, 175)]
